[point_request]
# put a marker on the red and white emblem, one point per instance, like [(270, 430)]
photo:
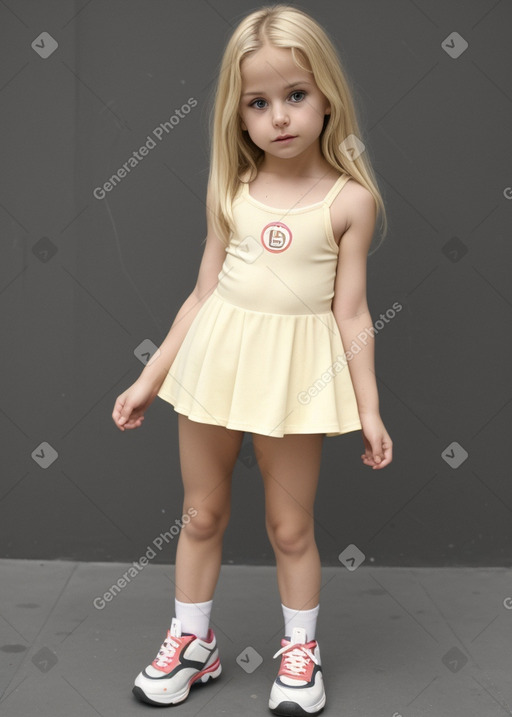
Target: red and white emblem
[(276, 237)]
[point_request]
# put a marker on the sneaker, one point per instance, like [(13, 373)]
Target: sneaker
[(182, 661), (299, 687)]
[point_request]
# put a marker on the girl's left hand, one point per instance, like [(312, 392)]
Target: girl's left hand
[(377, 442)]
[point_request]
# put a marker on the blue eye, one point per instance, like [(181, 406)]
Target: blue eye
[(295, 92)]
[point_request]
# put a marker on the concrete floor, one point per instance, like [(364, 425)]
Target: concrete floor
[(395, 642)]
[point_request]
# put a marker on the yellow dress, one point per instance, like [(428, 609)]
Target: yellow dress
[(264, 353)]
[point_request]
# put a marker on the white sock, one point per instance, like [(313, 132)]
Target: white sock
[(194, 617), (300, 618)]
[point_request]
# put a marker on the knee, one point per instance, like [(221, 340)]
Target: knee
[(289, 538), (207, 524)]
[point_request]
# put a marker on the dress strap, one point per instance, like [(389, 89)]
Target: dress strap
[(336, 188)]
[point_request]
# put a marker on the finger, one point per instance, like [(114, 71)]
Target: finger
[(134, 418), (383, 463), (379, 452), (375, 460), (118, 411), (132, 422), (125, 414), (387, 455), (379, 466)]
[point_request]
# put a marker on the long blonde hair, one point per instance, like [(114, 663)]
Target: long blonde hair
[(233, 154)]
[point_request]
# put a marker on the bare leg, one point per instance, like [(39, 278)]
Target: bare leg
[(290, 468), (207, 457)]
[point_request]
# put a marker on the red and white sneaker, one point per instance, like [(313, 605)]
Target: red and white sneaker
[(181, 661), (298, 689)]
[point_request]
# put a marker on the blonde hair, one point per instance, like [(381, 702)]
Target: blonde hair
[(233, 154)]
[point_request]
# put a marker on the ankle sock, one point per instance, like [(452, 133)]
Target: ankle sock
[(300, 618), (194, 617)]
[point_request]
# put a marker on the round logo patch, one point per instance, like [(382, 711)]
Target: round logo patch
[(276, 237)]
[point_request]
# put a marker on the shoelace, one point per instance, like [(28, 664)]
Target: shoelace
[(167, 651), (296, 658)]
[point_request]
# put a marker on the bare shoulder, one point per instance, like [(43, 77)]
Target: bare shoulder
[(354, 205)]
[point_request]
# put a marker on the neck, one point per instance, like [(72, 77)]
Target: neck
[(308, 164)]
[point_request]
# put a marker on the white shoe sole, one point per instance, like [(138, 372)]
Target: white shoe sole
[(288, 708), (157, 698)]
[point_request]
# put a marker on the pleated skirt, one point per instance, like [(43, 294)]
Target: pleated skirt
[(264, 373)]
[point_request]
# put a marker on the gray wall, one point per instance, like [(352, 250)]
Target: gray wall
[(85, 281)]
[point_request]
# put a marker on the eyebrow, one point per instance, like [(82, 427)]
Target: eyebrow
[(287, 87)]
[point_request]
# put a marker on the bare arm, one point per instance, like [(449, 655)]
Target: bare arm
[(350, 305), (130, 406), (156, 370), (350, 309)]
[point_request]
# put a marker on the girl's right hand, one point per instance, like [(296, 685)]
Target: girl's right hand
[(130, 406)]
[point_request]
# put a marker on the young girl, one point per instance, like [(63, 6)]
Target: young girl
[(259, 345)]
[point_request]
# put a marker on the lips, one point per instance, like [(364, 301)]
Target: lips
[(286, 136)]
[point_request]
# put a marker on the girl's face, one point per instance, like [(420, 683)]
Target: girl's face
[(279, 99)]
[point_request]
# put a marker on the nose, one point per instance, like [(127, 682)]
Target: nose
[(279, 115)]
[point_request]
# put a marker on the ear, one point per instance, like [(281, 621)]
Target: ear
[(242, 124)]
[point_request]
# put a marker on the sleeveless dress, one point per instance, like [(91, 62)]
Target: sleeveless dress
[(264, 353)]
